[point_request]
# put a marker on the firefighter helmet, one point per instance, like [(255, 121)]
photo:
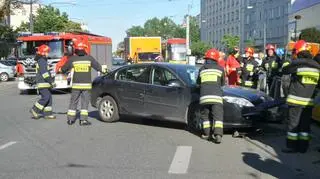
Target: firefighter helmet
[(300, 46), (249, 50), (270, 47), (212, 54), (43, 50), (78, 45)]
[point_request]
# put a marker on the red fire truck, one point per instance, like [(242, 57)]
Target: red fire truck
[(176, 51), (60, 43)]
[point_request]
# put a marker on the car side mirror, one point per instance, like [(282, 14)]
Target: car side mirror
[(175, 83)]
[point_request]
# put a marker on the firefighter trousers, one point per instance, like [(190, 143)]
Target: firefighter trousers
[(75, 97), (215, 112), (298, 135), (44, 105)]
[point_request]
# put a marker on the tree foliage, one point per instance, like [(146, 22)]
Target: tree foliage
[(199, 48), (50, 19), (167, 28), (310, 35), (10, 5), (230, 41)]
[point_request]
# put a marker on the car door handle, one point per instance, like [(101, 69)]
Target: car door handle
[(141, 95)]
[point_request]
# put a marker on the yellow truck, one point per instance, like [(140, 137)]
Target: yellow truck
[(315, 47), (142, 49)]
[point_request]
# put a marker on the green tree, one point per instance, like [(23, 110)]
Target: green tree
[(166, 28), (199, 48), (49, 19), (230, 41), (310, 35), (9, 5), (135, 31), (7, 40)]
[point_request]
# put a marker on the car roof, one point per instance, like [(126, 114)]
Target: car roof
[(165, 64)]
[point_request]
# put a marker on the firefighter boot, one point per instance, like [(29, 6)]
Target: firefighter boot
[(71, 122), (50, 117), (218, 139), (84, 123), (34, 114)]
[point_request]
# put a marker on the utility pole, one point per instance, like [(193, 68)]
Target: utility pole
[(31, 17), (188, 31), (264, 34)]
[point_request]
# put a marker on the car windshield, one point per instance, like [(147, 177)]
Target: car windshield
[(118, 61), (188, 73), (27, 49), (148, 56)]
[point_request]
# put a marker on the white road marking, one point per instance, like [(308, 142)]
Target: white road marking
[(7, 145), (181, 160)]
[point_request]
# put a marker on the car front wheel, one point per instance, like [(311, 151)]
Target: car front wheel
[(108, 109), (4, 77)]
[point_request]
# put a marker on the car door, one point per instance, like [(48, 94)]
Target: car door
[(162, 101), (131, 83)]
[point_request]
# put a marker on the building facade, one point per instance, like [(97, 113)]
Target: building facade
[(308, 11), (218, 18), (256, 22)]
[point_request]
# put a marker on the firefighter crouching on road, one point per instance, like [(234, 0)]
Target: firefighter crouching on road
[(250, 68), (233, 68), (211, 78), (44, 83), (305, 74), (81, 63), (271, 65)]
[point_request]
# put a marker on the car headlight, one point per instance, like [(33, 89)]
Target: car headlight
[(239, 101)]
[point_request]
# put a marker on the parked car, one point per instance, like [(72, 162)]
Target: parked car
[(169, 92), (7, 70)]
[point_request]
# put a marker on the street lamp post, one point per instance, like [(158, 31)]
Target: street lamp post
[(297, 17)]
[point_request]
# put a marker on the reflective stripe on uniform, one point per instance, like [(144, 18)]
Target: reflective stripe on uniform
[(71, 112), (210, 75), (249, 67), (211, 99), (292, 136), (206, 124), (299, 100), (48, 109), (82, 62), (274, 65), (45, 75), (84, 112), (81, 86), (304, 136), (43, 85), (285, 64), (248, 83), (39, 106), (218, 124), (309, 75)]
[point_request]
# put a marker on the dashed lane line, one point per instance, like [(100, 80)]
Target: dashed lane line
[(181, 160), (7, 145)]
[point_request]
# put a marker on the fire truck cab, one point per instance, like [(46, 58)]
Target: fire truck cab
[(60, 44)]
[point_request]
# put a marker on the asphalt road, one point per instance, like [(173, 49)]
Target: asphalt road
[(133, 148)]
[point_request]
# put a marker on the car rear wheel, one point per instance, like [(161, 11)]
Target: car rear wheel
[(108, 109), (4, 77)]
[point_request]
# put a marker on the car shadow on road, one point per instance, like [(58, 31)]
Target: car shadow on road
[(144, 121), (278, 164), (35, 92)]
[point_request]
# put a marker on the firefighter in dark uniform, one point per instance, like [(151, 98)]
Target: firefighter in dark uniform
[(81, 63), (44, 83), (271, 65), (305, 74), (250, 69), (211, 78)]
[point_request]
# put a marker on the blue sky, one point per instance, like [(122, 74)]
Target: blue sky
[(113, 17)]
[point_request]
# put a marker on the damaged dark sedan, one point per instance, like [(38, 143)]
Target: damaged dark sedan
[(164, 91)]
